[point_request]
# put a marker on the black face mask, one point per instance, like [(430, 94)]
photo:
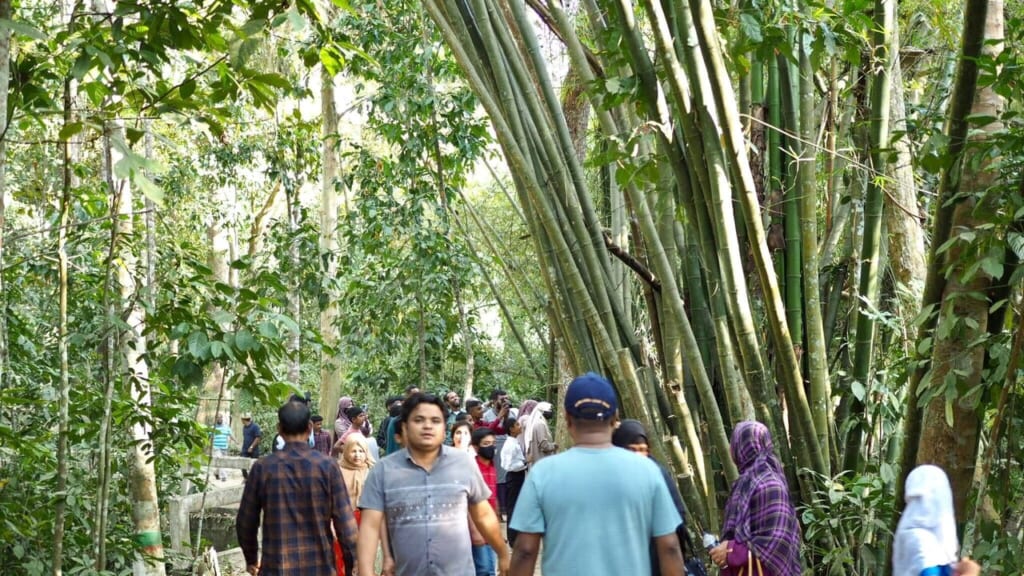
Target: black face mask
[(548, 414), (486, 452)]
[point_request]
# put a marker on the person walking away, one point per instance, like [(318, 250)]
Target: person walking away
[(382, 429), (537, 440), (220, 439), (321, 437), (632, 436), (483, 442), (355, 463), (251, 437), (393, 433), (925, 543), (760, 532), (595, 507), (298, 492), (424, 493), (514, 462)]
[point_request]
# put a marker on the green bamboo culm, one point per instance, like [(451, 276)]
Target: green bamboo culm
[(884, 51)]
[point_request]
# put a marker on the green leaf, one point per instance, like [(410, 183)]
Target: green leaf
[(22, 29), (992, 266), (149, 189), (198, 345), (269, 330), (187, 89), (332, 60), (244, 340), (858, 389), (750, 27), (70, 130)]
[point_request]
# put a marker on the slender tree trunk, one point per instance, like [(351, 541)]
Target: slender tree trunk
[(330, 359), (64, 390), (142, 475), (5, 80), (951, 427), (294, 294)]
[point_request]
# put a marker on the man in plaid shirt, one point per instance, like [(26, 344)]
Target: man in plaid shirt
[(300, 493)]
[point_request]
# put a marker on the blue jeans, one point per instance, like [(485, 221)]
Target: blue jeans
[(485, 560)]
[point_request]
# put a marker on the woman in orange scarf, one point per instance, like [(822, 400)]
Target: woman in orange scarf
[(355, 462)]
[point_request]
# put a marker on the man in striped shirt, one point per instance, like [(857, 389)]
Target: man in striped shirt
[(221, 437), (301, 495)]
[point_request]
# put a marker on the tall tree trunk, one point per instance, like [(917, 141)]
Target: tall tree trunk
[(961, 103), (951, 426), (219, 247), (903, 216), (5, 80), (294, 294), (330, 359), (142, 475), (885, 52), (64, 390)]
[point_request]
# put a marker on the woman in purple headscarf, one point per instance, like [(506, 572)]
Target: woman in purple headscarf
[(342, 422), (760, 523)]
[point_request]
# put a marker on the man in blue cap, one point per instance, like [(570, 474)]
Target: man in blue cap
[(596, 507)]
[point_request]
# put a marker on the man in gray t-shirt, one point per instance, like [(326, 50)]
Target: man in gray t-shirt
[(426, 492)]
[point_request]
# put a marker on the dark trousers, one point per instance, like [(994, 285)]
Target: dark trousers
[(514, 484)]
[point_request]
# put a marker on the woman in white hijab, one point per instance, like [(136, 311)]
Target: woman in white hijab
[(537, 440), (926, 542)]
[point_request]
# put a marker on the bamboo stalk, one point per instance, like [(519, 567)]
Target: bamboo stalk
[(885, 52), (735, 147)]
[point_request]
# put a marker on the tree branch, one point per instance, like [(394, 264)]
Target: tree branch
[(630, 261)]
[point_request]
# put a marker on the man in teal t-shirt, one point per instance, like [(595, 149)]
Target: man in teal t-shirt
[(221, 437), (596, 507)]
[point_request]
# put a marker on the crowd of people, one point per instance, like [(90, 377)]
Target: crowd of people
[(428, 496)]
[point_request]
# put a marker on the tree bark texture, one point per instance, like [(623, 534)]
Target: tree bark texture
[(950, 430)]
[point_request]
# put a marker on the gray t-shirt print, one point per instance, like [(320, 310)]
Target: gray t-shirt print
[(427, 512)]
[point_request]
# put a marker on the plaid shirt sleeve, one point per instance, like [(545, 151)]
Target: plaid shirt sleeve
[(342, 515), (247, 523)]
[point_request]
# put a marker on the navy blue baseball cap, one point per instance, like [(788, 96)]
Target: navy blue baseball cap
[(591, 397)]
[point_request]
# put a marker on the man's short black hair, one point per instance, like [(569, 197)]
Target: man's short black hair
[(391, 400), (411, 387), (317, 418), (509, 422), (496, 393), (293, 417), (415, 400), (473, 403), (479, 434), (300, 398), (462, 417)]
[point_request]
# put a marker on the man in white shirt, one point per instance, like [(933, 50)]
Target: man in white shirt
[(514, 462)]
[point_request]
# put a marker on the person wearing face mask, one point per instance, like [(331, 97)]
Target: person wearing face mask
[(536, 438), (483, 443)]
